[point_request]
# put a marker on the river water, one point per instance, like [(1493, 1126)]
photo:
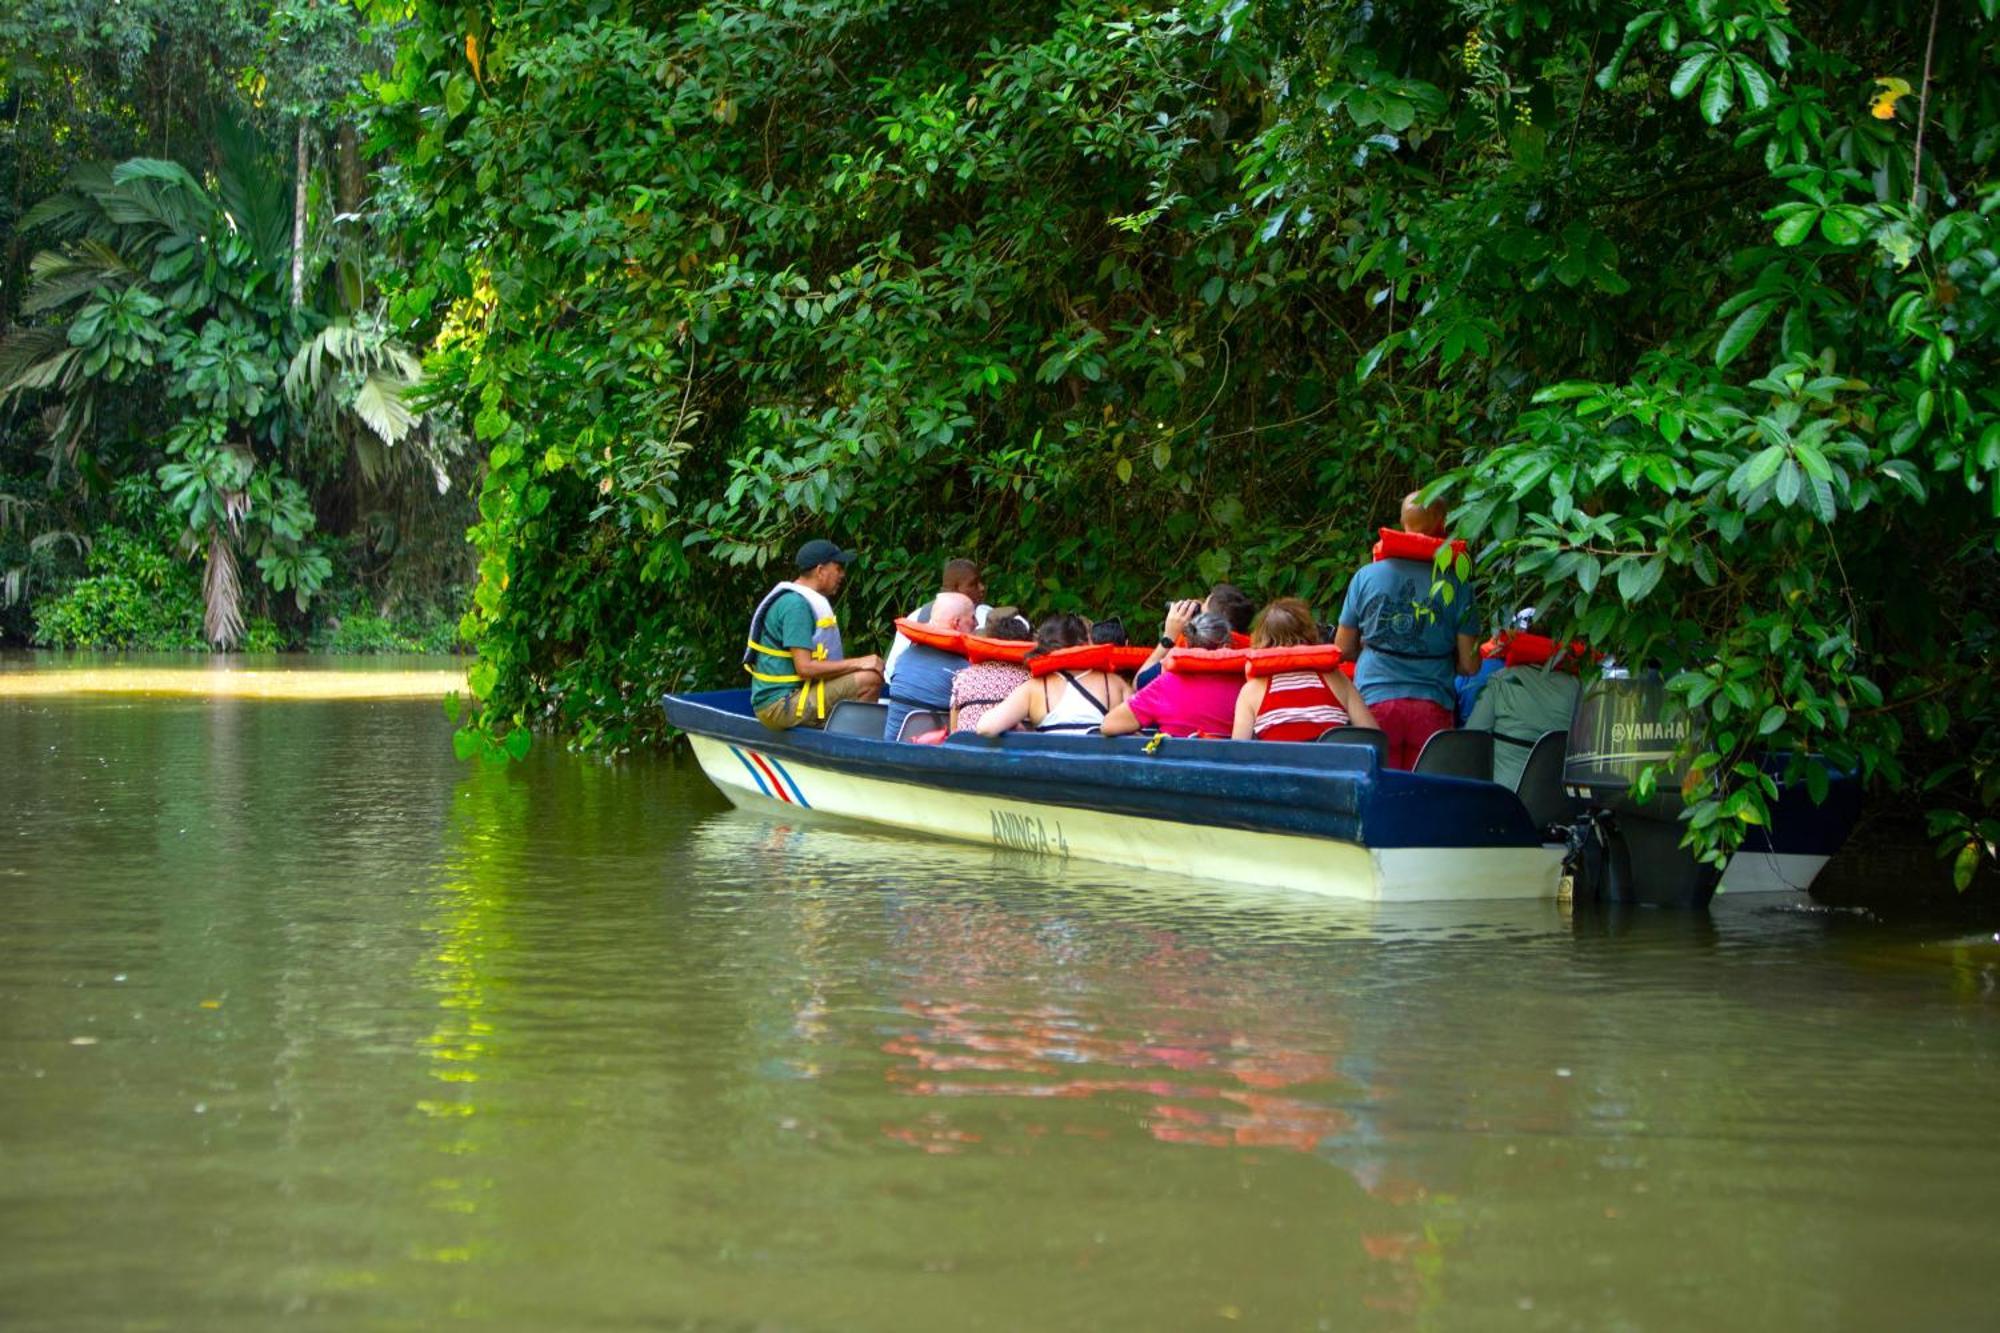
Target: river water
[(304, 1024)]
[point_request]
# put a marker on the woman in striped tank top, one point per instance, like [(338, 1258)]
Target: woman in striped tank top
[(1294, 705)]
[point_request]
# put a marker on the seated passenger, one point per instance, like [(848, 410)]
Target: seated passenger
[(960, 575), (923, 676), (983, 684), (1225, 600), (1294, 705), (794, 658), (1491, 654), (1522, 702), (1111, 631), (1072, 701), (1184, 703)]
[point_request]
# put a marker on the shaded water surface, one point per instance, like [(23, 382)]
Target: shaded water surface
[(303, 1024)]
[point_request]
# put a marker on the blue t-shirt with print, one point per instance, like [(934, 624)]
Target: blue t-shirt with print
[(1409, 640)]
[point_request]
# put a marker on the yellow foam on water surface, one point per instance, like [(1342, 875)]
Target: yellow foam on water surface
[(230, 683)]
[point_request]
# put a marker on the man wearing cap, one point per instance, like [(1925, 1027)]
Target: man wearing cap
[(797, 670)]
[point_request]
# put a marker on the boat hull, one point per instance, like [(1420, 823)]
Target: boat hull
[(1319, 819), (753, 778)]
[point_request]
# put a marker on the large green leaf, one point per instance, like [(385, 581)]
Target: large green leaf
[(1742, 331), (1691, 71), (1718, 91)]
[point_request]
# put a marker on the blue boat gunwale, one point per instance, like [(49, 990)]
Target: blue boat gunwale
[(1327, 791)]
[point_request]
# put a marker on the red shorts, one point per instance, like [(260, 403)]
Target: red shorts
[(1408, 723)]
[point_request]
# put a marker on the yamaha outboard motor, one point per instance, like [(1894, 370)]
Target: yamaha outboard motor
[(1624, 851)]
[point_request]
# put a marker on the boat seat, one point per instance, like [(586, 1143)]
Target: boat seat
[(1373, 737), (1458, 753), (918, 721), (1541, 786), (853, 717)]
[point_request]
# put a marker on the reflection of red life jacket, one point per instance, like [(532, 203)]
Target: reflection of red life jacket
[(1397, 545), (972, 647), (1087, 657)]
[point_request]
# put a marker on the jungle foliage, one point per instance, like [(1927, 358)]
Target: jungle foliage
[(1687, 305), (195, 350)]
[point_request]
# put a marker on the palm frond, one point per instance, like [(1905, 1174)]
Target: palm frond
[(34, 359), (76, 209), (59, 278), (42, 541), (256, 196), (222, 595), (152, 191), (14, 511), (389, 372), (380, 405), (22, 348)]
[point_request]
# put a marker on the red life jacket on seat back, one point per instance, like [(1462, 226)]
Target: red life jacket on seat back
[(1088, 657), (1261, 662), (1395, 544), (979, 648), (972, 647), (1206, 661), (1535, 649)]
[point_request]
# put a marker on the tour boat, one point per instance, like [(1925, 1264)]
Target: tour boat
[(1319, 818)]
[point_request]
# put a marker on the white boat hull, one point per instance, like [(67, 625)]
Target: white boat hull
[(1324, 866)]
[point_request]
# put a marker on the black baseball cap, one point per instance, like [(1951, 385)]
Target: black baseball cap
[(818, 551)]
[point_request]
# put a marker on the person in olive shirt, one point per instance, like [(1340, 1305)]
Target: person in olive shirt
[(797, 669)]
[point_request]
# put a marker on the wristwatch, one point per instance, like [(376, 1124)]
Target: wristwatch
[(1166, 641)]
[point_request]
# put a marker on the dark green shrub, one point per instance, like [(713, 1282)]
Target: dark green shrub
[(132, 596)]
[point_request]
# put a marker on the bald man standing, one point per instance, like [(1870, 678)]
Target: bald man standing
[(1408, 645), (923, 673)]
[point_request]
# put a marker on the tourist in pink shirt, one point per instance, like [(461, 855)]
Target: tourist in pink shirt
[(1184, 704)]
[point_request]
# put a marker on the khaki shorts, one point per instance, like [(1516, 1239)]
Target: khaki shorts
[(801, 709)]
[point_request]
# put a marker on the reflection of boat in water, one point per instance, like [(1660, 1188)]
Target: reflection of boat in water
[(1324, 819)]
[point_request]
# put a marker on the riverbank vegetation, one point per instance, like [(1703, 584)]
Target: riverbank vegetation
[(1687, 307)]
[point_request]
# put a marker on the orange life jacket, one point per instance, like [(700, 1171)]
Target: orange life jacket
[(972, 647), (1535, 649), (1088, 657), (1394, 544), (1206, 661), (1261, 662)]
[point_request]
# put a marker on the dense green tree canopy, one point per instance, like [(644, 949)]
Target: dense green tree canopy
[(1687, 306), (196, 354)]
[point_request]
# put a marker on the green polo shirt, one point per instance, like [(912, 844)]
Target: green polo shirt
[(787, 624)]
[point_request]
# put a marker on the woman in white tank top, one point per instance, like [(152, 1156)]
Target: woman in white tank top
[(1063, 701)]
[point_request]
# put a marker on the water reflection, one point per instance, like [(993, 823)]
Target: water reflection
[(570, 1045)]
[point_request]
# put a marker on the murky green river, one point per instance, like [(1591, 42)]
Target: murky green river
[(305, 1025)]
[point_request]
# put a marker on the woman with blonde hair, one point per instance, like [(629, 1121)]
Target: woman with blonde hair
[(1294, 705)]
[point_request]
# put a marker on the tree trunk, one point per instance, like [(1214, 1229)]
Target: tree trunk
[(299, 225), (350, 182)]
